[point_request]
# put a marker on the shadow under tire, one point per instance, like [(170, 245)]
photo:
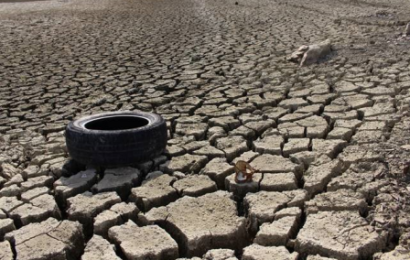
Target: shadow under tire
[(116, 138)]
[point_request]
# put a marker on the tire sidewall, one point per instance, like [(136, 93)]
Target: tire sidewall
[(112, 148)]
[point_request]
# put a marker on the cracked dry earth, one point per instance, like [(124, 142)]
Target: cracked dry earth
[(331, 141)]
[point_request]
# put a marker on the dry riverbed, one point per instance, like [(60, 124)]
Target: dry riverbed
[(331, 140)]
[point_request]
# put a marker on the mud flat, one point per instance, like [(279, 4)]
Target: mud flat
[(331, 140)]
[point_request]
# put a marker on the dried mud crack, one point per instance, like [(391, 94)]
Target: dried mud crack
[(330, 140)]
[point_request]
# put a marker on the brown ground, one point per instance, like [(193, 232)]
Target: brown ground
[(331, 140)]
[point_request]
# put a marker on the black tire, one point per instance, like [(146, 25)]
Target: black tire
[(116, 139)]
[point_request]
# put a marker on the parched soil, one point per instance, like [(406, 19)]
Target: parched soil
[(330, 141)]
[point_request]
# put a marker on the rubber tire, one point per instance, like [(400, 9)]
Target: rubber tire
[(114, 148)]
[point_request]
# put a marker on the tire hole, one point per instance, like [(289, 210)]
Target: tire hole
[(116, 123)]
